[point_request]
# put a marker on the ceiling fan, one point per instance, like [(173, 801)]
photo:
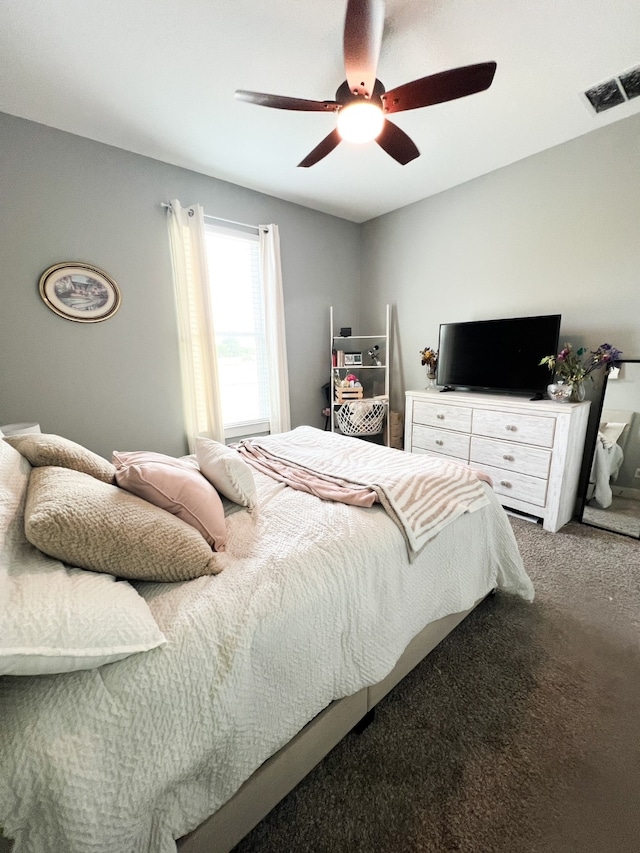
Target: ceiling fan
[(362, 97)]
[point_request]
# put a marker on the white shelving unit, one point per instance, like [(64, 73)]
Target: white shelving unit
[(373, 377)]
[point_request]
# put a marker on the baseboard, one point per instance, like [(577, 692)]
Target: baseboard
[(523, 515), (626, 492)]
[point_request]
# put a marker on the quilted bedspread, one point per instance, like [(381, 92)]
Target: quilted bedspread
[(420, 493), (315, 601)]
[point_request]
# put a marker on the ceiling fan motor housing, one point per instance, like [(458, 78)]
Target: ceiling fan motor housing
[(363, 27)]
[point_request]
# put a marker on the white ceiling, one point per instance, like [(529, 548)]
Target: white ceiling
[(157, 77)]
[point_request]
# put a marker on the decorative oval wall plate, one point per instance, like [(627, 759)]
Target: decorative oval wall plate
[(79, 292)]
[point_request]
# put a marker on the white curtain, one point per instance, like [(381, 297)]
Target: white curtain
[(280, 416), (201, 397)]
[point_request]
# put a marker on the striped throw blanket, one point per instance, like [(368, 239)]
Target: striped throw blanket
[(420, 493)]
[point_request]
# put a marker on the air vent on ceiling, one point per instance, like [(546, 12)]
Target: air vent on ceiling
[(616, 91), (604, 96), (631, 83)]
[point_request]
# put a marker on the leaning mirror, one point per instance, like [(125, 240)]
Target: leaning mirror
[(612, 499)]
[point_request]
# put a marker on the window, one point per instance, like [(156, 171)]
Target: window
[(239, 323), (239, 315)]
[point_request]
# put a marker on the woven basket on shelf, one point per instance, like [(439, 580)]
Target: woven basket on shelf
[(361, 417)]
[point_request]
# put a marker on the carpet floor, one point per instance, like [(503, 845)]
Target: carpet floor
[(520, 733)]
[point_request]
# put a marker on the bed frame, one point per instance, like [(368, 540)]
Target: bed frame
[(279, 775)]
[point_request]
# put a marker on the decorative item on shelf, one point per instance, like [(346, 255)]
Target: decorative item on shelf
[(573, 367), (429, 359), (348, 388), (79, 292), (578, 392), (345, 394), (345, 332), (374, 355), (559, 391)]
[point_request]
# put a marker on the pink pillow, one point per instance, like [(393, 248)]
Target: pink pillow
[(175, 486)]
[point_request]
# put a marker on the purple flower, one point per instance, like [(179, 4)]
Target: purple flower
[(574, 366), (608, 354)]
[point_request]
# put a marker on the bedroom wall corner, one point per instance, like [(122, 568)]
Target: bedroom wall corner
[(554, 233)]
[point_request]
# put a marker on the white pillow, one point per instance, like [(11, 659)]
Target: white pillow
[(54, 618), (225, 469)]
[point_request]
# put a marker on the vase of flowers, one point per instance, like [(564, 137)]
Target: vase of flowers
[(429, 359), (572, 367)]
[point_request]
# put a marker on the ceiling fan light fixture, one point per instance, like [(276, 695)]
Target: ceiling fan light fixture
[(360, 122), (361, 101)]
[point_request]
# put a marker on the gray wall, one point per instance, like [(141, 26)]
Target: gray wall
[(558, 232), (116, 384)]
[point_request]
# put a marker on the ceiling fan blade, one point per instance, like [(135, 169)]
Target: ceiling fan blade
[(363, 25), (325, 147), (281, 102), (397, 144), (437, 88)]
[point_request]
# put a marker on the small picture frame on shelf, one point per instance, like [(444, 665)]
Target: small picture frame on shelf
[(345, 332), (352, 359)]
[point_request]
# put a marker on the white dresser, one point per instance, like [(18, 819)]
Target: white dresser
[(532, 450)]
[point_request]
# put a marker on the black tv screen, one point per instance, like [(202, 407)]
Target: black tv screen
[(498, 355)]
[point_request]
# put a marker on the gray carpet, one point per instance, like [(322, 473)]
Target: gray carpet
[(520, 733)]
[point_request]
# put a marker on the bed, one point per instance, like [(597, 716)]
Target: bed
[(315, 609)]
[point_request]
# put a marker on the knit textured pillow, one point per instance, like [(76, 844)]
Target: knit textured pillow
[(48, 449), (87, 523), (54, 618)]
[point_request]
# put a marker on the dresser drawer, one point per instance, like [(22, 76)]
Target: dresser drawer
[(441, 415), (510, 456), (442, 456), (520, 487), (529, 429), (440, 441)]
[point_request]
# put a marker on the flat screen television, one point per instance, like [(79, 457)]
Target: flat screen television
[(498, 355)]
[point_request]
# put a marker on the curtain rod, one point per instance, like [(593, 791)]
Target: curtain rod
[(217, 218)]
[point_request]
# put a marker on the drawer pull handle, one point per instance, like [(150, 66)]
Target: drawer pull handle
[(505, 483), (508, 457), (511, 428), (440, 417), (439, 442)]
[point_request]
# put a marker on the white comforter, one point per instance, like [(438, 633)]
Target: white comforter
[(316, 600)]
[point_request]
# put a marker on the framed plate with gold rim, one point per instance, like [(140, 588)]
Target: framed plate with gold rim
[(79, 292)]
